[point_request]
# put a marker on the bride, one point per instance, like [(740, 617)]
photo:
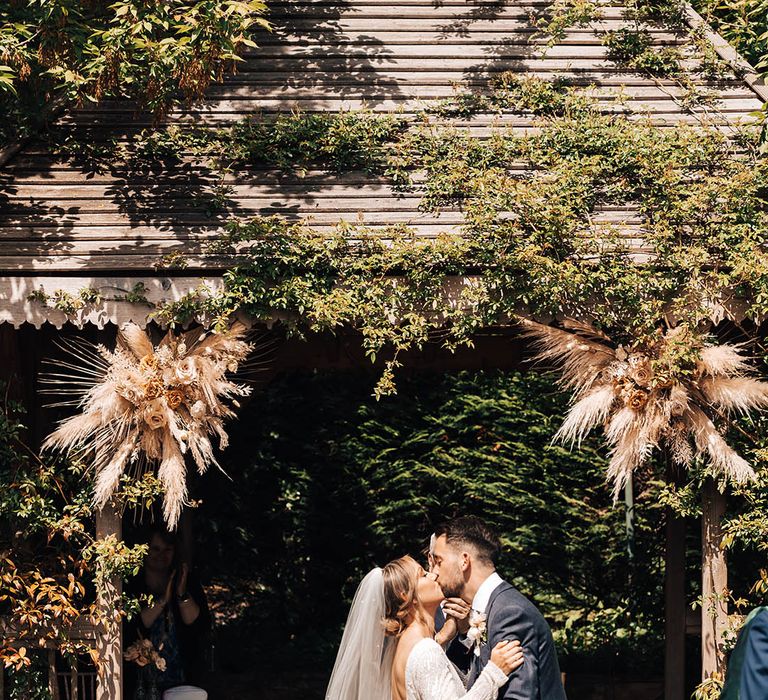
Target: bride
[(388, 651)]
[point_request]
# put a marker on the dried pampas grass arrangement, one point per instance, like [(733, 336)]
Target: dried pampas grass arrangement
[(145, 406), (661, 394)]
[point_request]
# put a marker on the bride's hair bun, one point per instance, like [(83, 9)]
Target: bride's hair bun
[(400, 594)]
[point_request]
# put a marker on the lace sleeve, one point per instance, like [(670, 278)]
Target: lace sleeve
[(431, 676)]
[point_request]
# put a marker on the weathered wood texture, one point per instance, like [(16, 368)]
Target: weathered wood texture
[(675, 607), (714, 582), (110, 641), (60, 215)]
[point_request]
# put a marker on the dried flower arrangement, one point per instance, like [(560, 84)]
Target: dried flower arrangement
[(143, 653), (143, 405), (662, 393)]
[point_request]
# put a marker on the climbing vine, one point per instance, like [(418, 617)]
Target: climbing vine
[(543, 228), (535, 238)]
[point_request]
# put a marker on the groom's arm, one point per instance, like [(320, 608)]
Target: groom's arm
[(510, 623)]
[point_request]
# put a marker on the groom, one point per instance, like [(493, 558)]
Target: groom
[(464, 557)]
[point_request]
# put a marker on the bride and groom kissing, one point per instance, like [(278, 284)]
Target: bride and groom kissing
[(391, 650)]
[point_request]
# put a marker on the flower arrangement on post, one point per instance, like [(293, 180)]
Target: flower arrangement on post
[(662, 392), (144, 405)]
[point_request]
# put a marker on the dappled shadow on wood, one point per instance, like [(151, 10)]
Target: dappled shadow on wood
[(321, 53)]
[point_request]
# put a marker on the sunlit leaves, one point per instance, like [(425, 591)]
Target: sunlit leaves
[(157, 54)]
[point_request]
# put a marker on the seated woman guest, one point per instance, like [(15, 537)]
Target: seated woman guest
[(174, 616)]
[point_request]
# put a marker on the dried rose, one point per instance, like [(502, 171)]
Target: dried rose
[(148, 362), (130, 393), (186, 371), (153, 388), (637, 400), (663, 382), (642, 374), (174, 398), (154, 414)]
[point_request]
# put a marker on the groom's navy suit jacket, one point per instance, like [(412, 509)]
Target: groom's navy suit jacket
[(747, 677), (510, 616)]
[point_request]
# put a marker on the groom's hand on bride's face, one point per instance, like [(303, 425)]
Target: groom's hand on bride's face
[(458, 609)]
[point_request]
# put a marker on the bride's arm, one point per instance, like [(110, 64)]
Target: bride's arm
[(433, 678)]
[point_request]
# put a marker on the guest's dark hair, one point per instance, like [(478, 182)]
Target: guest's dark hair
[(472, 532), (169, 538)]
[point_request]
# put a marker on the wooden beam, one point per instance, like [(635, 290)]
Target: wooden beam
[(674, 607), (109, 642), (714, 582), (729, 54)]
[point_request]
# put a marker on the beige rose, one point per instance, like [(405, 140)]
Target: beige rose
[(642, 373), (154, 414), (130, 393), (198, 410), (186, 371)]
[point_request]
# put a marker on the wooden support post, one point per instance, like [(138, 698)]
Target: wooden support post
[(714, 582), (109, 685), (674, 608), (53, 680)]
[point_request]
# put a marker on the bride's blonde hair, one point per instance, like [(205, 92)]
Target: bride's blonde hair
[(401, 604)]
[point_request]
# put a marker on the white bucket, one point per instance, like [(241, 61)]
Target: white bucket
[(185, 692)]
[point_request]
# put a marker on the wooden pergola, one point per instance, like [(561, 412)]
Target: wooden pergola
[(65, 225)]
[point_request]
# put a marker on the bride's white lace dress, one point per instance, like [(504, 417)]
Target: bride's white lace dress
[(429, 675)]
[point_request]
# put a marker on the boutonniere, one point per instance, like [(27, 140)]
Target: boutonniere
[(478, 630)]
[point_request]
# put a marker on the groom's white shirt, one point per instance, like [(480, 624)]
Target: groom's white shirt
[(483, 595), (480, 601)]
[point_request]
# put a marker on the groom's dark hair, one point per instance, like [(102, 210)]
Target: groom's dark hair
[(472, 531)]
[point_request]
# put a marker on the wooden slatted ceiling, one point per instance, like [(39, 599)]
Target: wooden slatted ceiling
[(57, 216)]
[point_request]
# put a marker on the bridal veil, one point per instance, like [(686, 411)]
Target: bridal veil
[(364, 663)]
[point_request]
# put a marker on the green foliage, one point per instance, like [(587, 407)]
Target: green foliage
[(156, 53), (529, 242), (561, 15), (31, 682), (332, 482), (52, 567), (742, 23), (709, 689), (633, 48), (532, 240), (508, 91), (344, 141), (666, 13)]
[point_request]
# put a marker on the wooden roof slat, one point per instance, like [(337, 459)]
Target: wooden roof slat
[(56, 215)]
